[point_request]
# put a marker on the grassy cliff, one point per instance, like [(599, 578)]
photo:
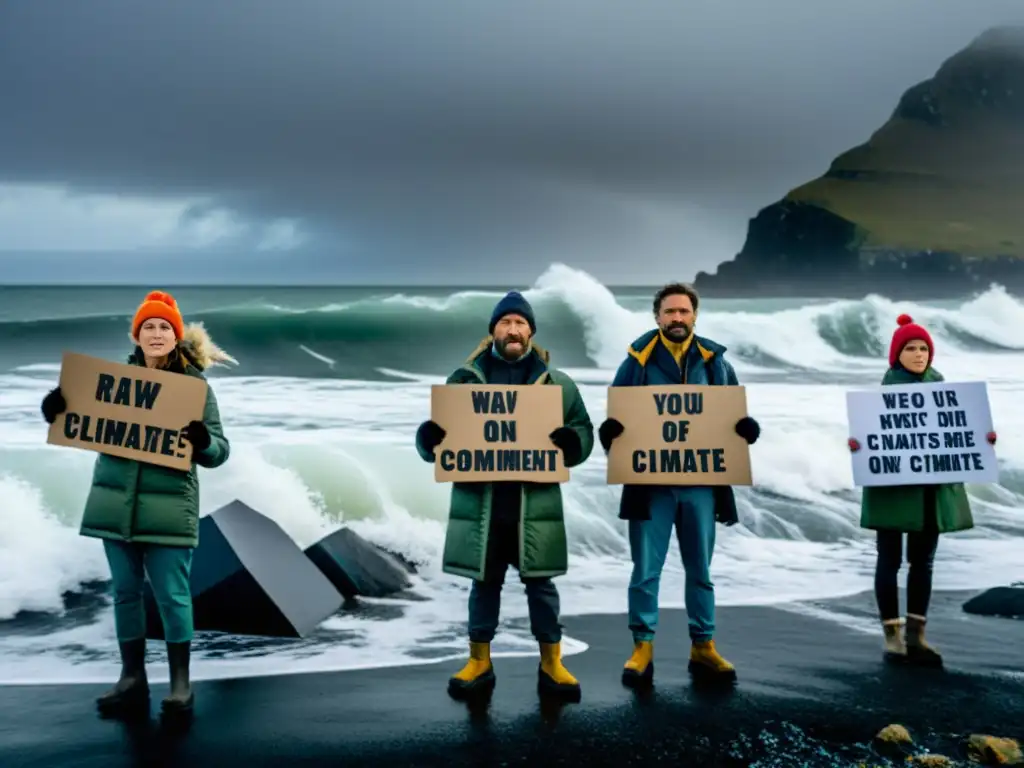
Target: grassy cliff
[(936, 192)]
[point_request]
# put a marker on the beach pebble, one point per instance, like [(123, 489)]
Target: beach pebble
[(992, 750), (893, 741), (931, 761)]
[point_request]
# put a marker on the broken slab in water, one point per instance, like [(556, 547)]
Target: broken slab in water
[(250, 578), (356, 567)]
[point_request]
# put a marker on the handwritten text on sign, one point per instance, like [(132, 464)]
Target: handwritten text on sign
[(127, 410), (678, 435), (922, 434), (497, 432)]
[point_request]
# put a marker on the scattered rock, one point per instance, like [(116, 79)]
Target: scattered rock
[(893, 741), (784, 745), (1007, 602), (992, 750), (932, 761)]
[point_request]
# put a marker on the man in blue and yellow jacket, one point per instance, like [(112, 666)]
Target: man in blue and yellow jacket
[(668, 355)]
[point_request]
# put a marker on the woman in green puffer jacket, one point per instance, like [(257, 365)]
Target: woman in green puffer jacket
[(923, 512), (148, 515)]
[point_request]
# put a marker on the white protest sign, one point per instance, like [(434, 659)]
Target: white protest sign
[(922, 434)]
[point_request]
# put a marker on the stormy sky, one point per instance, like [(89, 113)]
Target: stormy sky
[(444, 142)]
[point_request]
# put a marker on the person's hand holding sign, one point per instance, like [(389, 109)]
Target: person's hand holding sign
[(854, 444), (54, 405), (568, 441), (991, 437), (608, 431), (197, 434), (430, 434), (748, 429)]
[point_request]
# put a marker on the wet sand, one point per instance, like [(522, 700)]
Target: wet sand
[(810, 692)]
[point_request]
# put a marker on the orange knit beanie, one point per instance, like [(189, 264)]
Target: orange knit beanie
[(162, 305)]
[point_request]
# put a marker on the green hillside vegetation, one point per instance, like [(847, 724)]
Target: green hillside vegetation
[(946, 172)]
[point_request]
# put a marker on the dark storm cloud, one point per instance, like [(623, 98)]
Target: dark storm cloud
[(526, 131)]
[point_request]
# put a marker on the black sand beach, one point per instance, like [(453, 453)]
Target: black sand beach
[(810, 692)]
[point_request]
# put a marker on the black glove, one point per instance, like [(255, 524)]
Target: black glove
[(429, 435), (748, 429), (608, 431), (568, 441), (53, 405), (197, 434)]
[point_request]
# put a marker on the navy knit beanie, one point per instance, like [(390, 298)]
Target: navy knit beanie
[(512, 303)]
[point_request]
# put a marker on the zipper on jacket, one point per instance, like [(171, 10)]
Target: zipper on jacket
[(544, 377), (522, 528), (135, 504)]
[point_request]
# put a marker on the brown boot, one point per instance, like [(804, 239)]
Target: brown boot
[(707, 664), (918, 649), (182, 698), (131, 691), (553, 677), (895, 648), (476, 676), (639, 670)]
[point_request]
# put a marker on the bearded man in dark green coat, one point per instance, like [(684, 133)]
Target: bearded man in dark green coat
[(494, 525)]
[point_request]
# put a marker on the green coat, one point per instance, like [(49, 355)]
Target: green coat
[(149, 504), (543, 550), (901, 507)]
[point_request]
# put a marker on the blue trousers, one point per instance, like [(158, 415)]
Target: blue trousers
[(168, 569), (692, 511)]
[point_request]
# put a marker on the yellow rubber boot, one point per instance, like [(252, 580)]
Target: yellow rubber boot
[(553, 677), (918, 649), (639, 669), (706, 663), (477, 675)]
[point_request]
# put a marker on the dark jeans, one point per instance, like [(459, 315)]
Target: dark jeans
[(485, 596), (921, 546)]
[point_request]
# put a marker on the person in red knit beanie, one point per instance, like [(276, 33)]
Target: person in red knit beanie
[(906, 332), (922, 512), (147, 516)]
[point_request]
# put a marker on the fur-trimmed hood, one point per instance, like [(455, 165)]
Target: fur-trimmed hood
[(485, 345), (197, 348)]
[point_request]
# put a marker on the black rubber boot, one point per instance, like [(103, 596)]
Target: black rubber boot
[(131, 692), (181, 699)]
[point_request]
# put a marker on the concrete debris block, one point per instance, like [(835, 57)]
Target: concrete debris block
[(356, 567), (249, 578)]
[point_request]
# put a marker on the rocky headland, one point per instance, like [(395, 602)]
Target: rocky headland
[(934, 197)]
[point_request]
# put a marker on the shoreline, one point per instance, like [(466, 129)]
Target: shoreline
[(251, 657), (805, 684)]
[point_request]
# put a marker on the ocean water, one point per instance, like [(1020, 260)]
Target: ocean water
[(321, 412)]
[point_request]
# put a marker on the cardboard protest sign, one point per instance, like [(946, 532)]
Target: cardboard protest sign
[(127, 410), (922, 434), (497, 432), (678, 435)]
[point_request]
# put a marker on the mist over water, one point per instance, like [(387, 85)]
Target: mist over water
[(321, 412)]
